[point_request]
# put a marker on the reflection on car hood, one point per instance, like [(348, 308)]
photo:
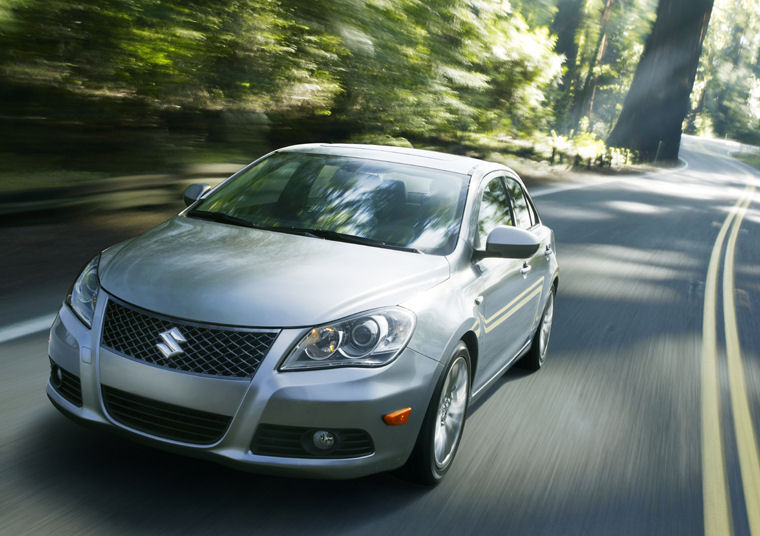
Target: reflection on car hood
[(212, 272)]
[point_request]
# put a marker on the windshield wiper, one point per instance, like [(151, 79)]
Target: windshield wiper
[(234, 220), (220, 217), (363, 240), (301, 231)]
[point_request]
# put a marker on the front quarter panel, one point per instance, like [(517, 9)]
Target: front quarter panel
[(444, 314)]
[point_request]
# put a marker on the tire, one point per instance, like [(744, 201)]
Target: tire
[(536, 356), (442, 429)]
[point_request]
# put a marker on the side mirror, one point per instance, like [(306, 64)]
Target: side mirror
[(509, 243), (194, 192)]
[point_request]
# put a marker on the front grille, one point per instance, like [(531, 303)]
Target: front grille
[(66, 383), (210, 349), (296, 442), (164, 420)]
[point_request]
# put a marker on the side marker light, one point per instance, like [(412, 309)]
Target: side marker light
[(398, 417)]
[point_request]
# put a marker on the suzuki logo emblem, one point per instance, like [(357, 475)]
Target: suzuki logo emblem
[(171, 343)]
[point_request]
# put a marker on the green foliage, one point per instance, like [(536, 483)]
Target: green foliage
[(268, 72), (536, 13), (753, 159), (609, 41), (438, 68), (726, 97)]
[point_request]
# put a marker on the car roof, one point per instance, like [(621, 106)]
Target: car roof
[(401, 155)]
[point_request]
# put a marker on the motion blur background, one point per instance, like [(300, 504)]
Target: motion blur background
[(110, 108), (95, 89)]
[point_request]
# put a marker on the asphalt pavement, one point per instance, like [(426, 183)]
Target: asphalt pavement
[(617, 434)]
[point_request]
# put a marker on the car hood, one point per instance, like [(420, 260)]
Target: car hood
[(213, 272)]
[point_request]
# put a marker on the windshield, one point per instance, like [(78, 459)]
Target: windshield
[(334, 197)]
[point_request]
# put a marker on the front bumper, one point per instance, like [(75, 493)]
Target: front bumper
[(337, 399)]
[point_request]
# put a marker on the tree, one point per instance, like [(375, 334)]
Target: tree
[(318, 69), (566, 23), (602, 41), (726, 100), (584, 99), (658, 100)]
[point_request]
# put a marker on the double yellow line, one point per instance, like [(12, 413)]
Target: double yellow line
[(717, 510)]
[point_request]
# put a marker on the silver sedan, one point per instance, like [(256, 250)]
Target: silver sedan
[(327, 311)]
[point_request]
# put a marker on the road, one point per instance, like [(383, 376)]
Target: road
[(638, 424)]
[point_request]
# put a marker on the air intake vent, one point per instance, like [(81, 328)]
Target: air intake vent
[(164, 420)]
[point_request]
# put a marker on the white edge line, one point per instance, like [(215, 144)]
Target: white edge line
[(27, 327)]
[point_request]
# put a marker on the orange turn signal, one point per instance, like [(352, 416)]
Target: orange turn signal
[(398, 417)]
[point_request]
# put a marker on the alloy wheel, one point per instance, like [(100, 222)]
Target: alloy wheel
[(546, 327), (451, 412)]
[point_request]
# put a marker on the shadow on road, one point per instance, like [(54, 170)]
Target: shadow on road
[(120, 484), (133, 487)]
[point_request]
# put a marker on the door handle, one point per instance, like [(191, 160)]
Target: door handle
[(548, 251), (525, 268)]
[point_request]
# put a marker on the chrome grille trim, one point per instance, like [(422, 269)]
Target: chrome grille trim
[(210, 349)]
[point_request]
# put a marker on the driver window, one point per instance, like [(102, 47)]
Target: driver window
[(494, 210)]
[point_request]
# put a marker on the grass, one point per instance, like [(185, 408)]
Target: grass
[(753, 159)]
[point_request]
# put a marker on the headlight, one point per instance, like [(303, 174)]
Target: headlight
[(368, 339), (83, 294)]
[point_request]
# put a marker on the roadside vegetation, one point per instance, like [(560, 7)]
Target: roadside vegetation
[(753, 159), (94, 89)]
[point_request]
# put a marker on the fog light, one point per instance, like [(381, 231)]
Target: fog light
[(323, 439), (56, 376)]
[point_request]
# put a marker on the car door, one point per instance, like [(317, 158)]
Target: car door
[(538, 266), (508, 291)]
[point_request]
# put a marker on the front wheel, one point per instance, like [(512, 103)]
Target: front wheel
[(536, 356), (442, 428)]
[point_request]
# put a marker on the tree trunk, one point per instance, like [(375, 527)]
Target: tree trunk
[(583, 101), (566, 23), (658, 99)]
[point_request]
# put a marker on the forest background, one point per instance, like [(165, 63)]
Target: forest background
[(94, 88)]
